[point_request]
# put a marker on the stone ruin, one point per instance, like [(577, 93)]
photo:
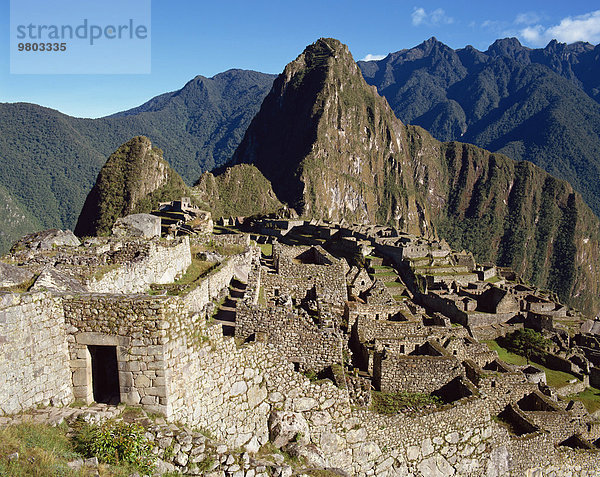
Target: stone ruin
[(300, 338)]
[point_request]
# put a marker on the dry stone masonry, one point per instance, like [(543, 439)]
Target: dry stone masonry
[(318, 341)]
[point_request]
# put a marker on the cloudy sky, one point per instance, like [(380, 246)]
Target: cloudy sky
[(189, 38)]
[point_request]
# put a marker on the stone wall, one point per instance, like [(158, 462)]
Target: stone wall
[(230, 390), (162, 263), (414, 374), (211, 286), (292, 335), (34, 360), (327, 273), (138, 326)]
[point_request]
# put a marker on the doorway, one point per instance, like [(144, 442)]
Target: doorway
[(105, 374)]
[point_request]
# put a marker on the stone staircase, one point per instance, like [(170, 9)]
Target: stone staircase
[(267, 263), (225, 315)]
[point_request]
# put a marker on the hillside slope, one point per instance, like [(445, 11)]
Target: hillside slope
[(50, 161), (539, 105)]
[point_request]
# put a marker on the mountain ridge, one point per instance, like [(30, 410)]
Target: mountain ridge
[(540, 105), (50, 160)]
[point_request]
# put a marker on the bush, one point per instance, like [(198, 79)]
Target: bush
[(116, 443), (525, 342)]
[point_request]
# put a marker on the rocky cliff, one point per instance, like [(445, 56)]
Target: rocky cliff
[(333, 149), (331, 146), (133, 180)]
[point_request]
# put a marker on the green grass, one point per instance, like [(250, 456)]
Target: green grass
[(385, 274), (44, 451), (391, 403), (554, 378), (194, 272), (266, 249), (590, 398), (393, 284)]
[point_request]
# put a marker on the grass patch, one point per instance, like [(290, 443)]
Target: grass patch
[(266, 249), (590, 399), (197, 269), (385, 274), (554, 378), (43, 450), (394, 284), (103, 270), (392, 403)]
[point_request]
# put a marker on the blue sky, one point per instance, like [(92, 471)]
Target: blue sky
[(189, 38)]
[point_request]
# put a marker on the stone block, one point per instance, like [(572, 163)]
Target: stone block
[(137, 225)]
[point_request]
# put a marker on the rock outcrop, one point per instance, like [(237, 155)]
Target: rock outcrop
[(13, 276), (134, 179), (137, 225), (46, 240)]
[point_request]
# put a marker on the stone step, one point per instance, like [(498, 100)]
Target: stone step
[(224, 323)]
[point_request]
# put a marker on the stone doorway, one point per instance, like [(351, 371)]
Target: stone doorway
[(105, 374)]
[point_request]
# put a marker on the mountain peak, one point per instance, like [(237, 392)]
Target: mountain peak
[(134, 179), (506, 47), (326, 140)]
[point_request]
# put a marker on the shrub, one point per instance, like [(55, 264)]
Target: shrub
[(116, 443)]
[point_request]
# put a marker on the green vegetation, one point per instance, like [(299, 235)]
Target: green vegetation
[(266, 249), (44, 450), (541, 113), (134, 179), (392, 403), (525, 342), (590, 398), (553, 378), (116, 443), (241, 190), (50, 161)]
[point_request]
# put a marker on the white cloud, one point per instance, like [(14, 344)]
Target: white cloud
[(570, 29), (418, 16), (436, 17), (371, 57), (527, 18)]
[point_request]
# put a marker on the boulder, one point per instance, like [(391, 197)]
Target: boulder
[(47, 239), (286, 427), (11, 275), (137, 225), (52, 279), (310, 453)]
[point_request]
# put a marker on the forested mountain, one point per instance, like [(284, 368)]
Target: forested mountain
[(534, 104), (49, 160), (539, 105), (134, 179)]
